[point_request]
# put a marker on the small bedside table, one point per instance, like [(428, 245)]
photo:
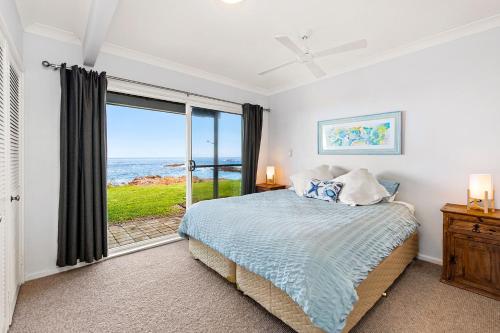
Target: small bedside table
[(471, 249), (269, 187)]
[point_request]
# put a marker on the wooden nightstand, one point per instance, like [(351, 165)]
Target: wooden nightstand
[(471, 250), (269, 187)]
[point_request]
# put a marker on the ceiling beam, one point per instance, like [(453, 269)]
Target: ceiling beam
[(98, 23)]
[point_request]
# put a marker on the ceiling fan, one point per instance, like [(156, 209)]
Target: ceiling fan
[(307, 56)]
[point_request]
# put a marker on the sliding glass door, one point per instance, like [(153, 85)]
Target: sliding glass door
[(214, 165)]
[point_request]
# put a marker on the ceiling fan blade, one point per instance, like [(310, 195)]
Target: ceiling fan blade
[(278, 67), (359, 44), (315, 69), (289, 44)]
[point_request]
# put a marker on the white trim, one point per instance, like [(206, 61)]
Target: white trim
[(145, 91), (421, 44), (172, 96), (135, 247), (434, 260), (189, 155), (53, 33), (124, 52), (143, 245), (212, 104), (4, 317), (14, 303), (15, 55), (20, 230)]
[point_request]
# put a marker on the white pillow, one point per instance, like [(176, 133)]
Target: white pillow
[(361, 188), (301, 179), (337, 171)]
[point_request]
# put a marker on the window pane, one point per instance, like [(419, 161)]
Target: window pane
[(216, 140), (203, 137), (229, 138), (229, 181)]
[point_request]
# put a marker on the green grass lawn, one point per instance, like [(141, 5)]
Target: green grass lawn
[(130, 202)]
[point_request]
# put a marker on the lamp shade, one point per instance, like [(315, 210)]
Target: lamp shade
[(270, 173), (478, 183)]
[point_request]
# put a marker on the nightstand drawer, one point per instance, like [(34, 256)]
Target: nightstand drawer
[(463, 218), (478, 229)]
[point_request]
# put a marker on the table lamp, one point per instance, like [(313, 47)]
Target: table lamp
[(481, 191), (270, 175)]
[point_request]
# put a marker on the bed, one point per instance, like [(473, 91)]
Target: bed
[(317, 266)]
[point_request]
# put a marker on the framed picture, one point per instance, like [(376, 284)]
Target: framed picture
[(376, 134)]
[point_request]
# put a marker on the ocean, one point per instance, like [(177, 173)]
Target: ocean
[(123, 170)]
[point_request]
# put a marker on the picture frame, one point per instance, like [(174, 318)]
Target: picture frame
[(376, 134)]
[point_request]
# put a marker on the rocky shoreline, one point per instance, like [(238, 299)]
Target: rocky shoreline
[(159, 180)]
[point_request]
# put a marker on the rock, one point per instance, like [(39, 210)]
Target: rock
[(230, 169), (158, 180)]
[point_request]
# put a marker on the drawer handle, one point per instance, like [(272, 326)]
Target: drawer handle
[(475, 228)]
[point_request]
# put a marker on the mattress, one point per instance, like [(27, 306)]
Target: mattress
[(282, 306), (314, 251)]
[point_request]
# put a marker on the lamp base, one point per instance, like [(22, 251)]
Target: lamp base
[(483, 204)]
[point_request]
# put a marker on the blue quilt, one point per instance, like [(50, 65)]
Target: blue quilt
[(317, 252)]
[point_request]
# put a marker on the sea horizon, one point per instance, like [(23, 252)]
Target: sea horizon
[(122, 170)]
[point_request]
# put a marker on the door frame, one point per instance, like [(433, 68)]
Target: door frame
[(190, 102), (202, 103)]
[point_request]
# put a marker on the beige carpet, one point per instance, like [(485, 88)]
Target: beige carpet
[(165, 290)]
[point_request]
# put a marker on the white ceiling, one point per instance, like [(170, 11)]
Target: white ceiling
[(232, 43)]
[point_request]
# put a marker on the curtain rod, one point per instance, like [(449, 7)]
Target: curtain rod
[(47, 64)]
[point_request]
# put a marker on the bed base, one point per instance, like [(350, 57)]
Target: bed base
[(282, 306), (213, 259)]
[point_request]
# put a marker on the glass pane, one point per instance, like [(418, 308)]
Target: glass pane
[(202, 184), (229, 138), (203, 136), (229, 151), (229, 181), (145, 173), (216, 150)]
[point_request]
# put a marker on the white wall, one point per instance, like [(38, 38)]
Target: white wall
[(450, 95), (42, 94)]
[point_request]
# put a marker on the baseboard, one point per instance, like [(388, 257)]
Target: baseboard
[(52, 271), (112, 254), (434, 260)]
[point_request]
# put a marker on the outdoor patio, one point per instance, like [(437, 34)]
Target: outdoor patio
[(140, 230)]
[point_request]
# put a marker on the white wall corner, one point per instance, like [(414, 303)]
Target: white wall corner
[(433, 260)]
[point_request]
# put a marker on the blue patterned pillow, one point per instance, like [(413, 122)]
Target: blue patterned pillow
[(390, 185), (327, 190)]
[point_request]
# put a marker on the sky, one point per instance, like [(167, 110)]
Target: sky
[(139, 133)]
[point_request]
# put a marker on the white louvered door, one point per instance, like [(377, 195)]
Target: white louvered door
[(10, 184), (14, 186), (4, 320)]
